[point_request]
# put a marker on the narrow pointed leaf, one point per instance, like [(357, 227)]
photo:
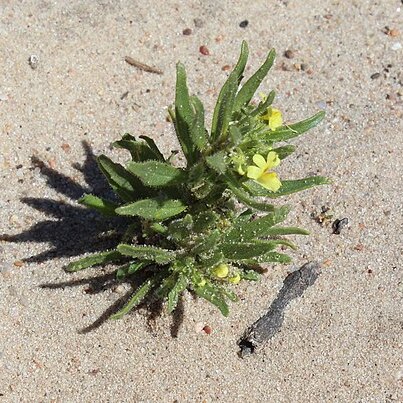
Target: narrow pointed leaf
[(283, 152), (157, 255), (151, 143), (183, 114), (258, 228), (262, 107), (176, 291), (288, 132), (156, 173), (105, 207), (208, 243), (279, 231), (129, 269), (246, 250), (217, 162), (139, 150), (247, 91), (287, 186), (214, 296), (153, 209), (224, 106), (135, 299), (197, 128), (126, 186), (271, 257), (94, 260)]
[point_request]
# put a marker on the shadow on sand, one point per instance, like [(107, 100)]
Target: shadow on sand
[(73, 230)]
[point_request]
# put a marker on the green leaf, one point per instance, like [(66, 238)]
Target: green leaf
[(197, 128), (207, 243), (246, 250), (180, 229), (282, 152), (173, 296), (183, 118), (157, 255), (271, 257), (153, 209), (287, 186), (224, 106), (157, 174), (288, 132), (236, 135), (279, 231), (94, 260), (257, 228), (135, 299), (205, 220), (247, 91), (217, 162), (262, 107), (130, 269), (250, 275), (139, 150), (244, 197), (213, 295), (125, 185), (151, 143), (105, 207)]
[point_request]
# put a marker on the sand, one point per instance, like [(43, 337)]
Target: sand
[(342, 341)]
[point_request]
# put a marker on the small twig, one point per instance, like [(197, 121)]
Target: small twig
[(269, 324), (142, 66)]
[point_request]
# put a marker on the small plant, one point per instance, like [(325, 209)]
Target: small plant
[(184, 229)]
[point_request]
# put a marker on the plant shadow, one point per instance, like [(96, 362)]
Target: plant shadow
[(73, 230)]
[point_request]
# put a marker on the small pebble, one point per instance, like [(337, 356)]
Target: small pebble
[(226, 67), (199, 23), (119, 289), (187, 31), (65, 147), (396, 46), (394, 32), (289, 54), (375, 75), (338, 225), (18, 263), (204, 50), (33, 61), (244, 23), (207, 329), (304, 67)]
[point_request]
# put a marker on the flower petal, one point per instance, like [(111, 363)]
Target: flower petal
[(259, 161), (270, 181), (254, 172), (276, 118), (272, 160)]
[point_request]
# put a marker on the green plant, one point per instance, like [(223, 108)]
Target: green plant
[(184, 230)]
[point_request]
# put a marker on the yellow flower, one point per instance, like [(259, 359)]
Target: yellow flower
[(273, 118), (261, 172), (221, 271), (235, 279)]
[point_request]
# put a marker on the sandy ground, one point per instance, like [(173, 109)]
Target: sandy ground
[(341, 342)]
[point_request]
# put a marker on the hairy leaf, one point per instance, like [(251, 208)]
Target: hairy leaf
[(177, 289), (157, 174), (105, 207), (247, 91), (287, 186), (224, 106), (217, 162), (153, 209), (288, 132), (135, 299), (94, 260), (125, 185), (213, 295), (183, 114), (157, 255), (197, 129)]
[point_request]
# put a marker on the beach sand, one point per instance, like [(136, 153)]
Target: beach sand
[(341, 342)]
